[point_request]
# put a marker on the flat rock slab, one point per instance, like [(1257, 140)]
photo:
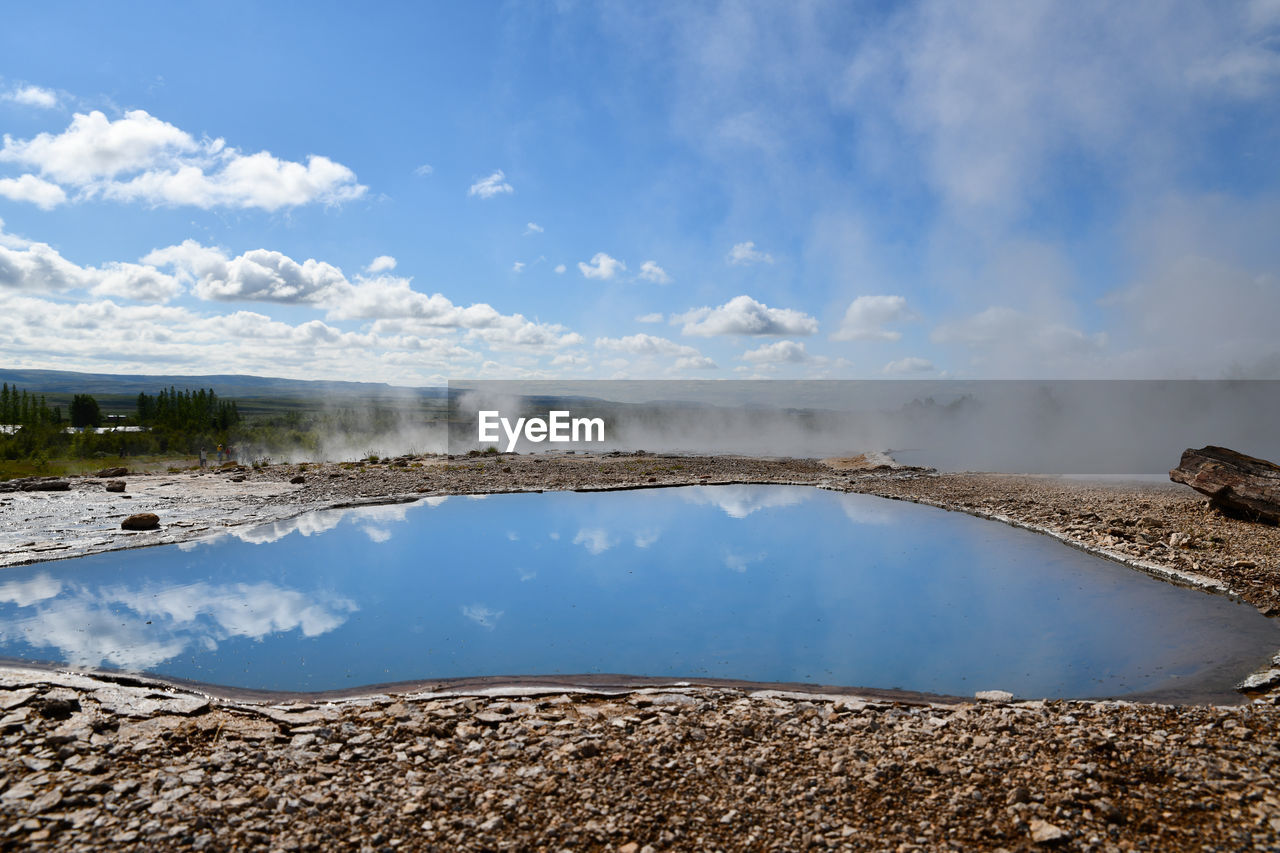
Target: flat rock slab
[(130, 702)]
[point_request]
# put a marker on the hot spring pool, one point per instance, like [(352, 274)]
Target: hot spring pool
[(759, 583)]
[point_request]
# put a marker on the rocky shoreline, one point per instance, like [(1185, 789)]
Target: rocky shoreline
[(91, 762)]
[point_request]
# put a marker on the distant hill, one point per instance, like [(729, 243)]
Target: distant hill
[(227, 386)]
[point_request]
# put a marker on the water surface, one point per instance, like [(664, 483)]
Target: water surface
[(762, 583)]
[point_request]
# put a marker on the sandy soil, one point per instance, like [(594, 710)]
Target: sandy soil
[(93, 763)]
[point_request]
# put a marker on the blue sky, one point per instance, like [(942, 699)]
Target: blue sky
[(411, 192)]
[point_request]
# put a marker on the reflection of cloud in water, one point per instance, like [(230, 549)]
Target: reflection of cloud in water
[(739, 562), (435, 500), (594, 539), (856, 509), (27, 592), (482, 616), (311, 523), (377, 534), (646, 538), (109, 625), (741, 501)]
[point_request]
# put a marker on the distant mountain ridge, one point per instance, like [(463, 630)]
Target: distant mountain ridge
[(239, 386)]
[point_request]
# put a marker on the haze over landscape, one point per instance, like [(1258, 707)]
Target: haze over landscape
[(404, 193)]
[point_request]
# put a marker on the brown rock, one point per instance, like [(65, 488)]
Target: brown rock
[(141, 521), (111, 472), (1237, 485), (47, 486), (115, 486)]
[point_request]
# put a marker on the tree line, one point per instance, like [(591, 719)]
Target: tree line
[(174, 421)]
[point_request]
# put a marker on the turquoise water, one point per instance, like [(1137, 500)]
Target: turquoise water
[(761, 583)]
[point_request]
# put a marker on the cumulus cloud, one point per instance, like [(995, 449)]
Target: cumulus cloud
[(533, 228), (746, 253), (560, 268), (908, 366), (491, 186), (866, 317), (655, 317), (382, 263), (602, 267), (258, 275), (642, 344), (39, 268), (142, 158), (695, 362), (781, 352), (33, 96), (743, 315), (29, 188), (650, 271), (518, 266)]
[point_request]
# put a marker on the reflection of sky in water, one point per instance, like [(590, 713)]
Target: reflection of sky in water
[(769, 583)]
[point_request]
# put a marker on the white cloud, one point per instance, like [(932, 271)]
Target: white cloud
[(518, 266), (424, 171), (483, 616), (38, 267), (866, 316), (743, 315), (33, 190), (655, 317), (650, 271), (907, 366), (382, 263), (645, 538), (740, 562), (595, 540), (647, 345), (533, 228), (781, 352), (141, 158), (33, 96), (491, 186), (746, 253), (740, 501), (695, 362), (258, 275), (602, 267), (560, 268)]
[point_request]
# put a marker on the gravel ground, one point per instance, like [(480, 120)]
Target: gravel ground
[(94, 763)]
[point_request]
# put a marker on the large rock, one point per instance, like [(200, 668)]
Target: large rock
[(115, 486), (112, 472), (46, 486), (141, 521), (1238, 485)]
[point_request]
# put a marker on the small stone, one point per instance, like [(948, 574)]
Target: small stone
[(141, 521), (629, 847), (45, 801), (298, 480), (115, 486), (1043, 832), (1018, 795)]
